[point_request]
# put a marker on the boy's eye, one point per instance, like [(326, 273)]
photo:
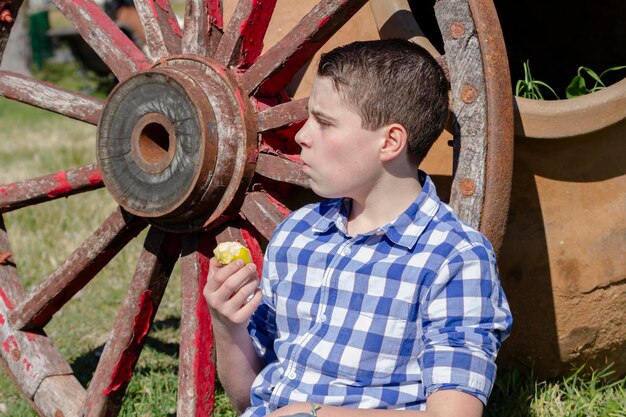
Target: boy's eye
[(323, 122)]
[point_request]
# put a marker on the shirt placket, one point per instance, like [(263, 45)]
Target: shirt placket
[(291, 372)]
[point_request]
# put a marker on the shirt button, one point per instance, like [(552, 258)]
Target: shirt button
[(323, 318), (346, 251), (292, 375)]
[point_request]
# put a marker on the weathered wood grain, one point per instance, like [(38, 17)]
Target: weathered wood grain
[(275, 68), (60, 389), (163, 33), (282, 115), (134, 319), (204, 25), (264, 212), (47, 96), (29, 357), (196, 367), (49, 187), (78, 270), (281, 169), (468, 108), (120, 54), (242, 41)]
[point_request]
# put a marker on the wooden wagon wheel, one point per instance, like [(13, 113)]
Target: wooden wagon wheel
[(187, 144)]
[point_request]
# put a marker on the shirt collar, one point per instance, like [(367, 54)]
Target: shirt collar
[(405, 230)]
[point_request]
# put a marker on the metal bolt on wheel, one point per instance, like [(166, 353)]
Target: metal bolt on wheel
[(185, 147)]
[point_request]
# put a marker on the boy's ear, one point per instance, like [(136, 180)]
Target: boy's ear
[(395, 141)]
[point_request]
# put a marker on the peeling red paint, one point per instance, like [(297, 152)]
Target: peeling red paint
[(6, 300), (95, 178), (175, 27), (164, 5), (253, 29), (27, 364), (6, 16), (63, 186), (30, 336), (2, 320), (215, 13), (204, 368), (4, 256), (322, 22), (10, 344), (3, 191), (124, 367)]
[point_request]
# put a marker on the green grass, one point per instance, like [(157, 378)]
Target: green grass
[(37, 142)]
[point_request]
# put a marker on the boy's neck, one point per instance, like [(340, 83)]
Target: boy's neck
[(384, 202)]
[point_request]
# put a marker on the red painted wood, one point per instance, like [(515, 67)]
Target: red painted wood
[(242, 41), (196, 369), (115, 368), (47, 96), (30, 358), (264, 212), (281, 169), (49, 187), (77, 271), (119, 53), (203, 27), (276, 67), (161, 28), (253, 246), (282, 115)]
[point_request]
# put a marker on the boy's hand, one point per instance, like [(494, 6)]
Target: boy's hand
[(232, 292)]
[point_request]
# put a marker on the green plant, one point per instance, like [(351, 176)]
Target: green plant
[(530, 87), (578, 86)]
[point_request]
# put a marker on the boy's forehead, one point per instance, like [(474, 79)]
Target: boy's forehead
[(324, 95)]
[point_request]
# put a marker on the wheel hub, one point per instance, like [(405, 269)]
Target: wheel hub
[(175, 144)]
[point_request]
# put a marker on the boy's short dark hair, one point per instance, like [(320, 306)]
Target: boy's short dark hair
[(391, 81)]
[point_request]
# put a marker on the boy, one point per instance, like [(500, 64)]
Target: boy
[(378, 299)]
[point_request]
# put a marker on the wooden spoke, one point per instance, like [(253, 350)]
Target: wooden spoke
[(159, 21), (119, 53), (46, 96), (196, 368), (49, 187), (36, 366), (77, 271), (264, 212), (282, 115), (281, 169), (204, 25), (275, 68), (242, 41), (115, 368)]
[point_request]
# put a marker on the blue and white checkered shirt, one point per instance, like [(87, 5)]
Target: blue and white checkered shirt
[(378, 320)]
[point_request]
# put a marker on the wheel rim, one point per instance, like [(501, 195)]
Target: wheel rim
[(221, 75)]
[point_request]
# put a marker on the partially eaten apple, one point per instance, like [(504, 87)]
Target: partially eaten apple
[(227, 252)]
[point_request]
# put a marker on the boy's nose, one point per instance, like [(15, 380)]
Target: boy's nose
[(301, 137)]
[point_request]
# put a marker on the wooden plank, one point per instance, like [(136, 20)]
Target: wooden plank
[(196, 368), (47, 96), (120, 54), (242, 41), (77, 270), (204, 25), (469, 107), (49, 187), (277, 66), (264, 212), (281, 169), (282, 115), (29, 357), (134, 319), (58, 390), (163, 33)]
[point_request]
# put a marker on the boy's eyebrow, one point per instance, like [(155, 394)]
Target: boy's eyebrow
[(318, 113)]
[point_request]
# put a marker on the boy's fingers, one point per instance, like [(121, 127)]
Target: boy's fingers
[(245, 290), (218, 274), (248, 308), (238, 279)]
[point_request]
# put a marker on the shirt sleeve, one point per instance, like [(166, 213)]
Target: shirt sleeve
[(465, 317)]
